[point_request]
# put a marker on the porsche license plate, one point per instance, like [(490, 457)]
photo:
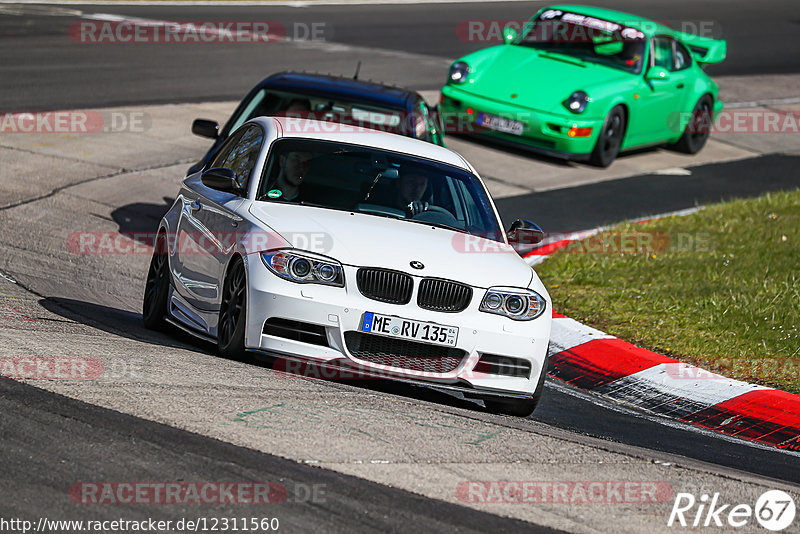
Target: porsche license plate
[(500, 124), (389, 325)]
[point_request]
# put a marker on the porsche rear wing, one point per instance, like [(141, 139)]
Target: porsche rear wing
[(704, 49)]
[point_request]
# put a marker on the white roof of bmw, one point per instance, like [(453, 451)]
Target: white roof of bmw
[(346, 133)]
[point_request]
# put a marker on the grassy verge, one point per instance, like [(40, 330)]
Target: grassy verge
[(719, 288)]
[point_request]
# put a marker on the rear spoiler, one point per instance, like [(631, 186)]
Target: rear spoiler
[(704, 49)]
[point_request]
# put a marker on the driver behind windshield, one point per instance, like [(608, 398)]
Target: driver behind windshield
[(406, 192), (293, 168)]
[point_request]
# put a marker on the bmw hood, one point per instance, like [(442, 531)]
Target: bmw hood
[(523, 76), (371, 241)]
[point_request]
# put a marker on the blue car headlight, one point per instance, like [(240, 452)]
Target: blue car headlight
[(304, 269), (577, 102), (517, 304), (458, 72)]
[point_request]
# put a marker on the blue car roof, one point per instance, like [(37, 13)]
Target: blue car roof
[(343, 88)]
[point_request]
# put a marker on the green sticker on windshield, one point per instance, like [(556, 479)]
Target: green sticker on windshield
[(274, 193)]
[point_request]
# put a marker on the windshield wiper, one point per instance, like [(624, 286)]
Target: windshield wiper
[(439, 225), (561, 56)]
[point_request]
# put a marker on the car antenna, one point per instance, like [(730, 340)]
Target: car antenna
[(358, 68)]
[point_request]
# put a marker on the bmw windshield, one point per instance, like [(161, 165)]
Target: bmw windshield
[(586, 39), (377, 182)]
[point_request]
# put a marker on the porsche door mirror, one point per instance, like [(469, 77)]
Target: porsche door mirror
[(657, 74), (205, 128), (509, 35), (523, 235), (221, 179)]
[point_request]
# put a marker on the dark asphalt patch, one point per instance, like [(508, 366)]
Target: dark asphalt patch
[(589, 206)]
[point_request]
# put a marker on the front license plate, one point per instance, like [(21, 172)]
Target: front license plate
[(500, 124), (389, 325)]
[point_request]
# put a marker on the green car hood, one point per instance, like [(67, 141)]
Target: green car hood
[(541, 81)]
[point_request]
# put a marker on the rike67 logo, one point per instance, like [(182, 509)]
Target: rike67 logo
[(774, 510)]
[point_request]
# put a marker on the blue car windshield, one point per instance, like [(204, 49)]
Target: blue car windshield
[(586, 39), (361, 179)]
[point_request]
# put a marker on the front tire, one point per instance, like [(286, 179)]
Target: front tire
[(699, 128), (518, 407), (610, 138), (156, 289), (233, 313)]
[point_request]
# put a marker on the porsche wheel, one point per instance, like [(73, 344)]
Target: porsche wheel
[(610, 139), (699, 128), (233, 313), (156, 289)]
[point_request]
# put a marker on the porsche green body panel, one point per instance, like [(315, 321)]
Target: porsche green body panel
[(531, 86)]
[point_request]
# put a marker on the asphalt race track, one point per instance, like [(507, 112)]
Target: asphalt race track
[(386, 457)]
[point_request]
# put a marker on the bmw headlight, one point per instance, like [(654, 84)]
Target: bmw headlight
[(458, 72), (304, 269), (577, 102), (517, 304)]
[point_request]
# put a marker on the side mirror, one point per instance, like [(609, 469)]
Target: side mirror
[(205, 128), (221, 179), (509, 35), (657, 74), (523, 235)]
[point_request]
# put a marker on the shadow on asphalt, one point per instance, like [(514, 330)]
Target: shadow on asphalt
[(141, 219), (121, 323), (522, 152), (129, 325)]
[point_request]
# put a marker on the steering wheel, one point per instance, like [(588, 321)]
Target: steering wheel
[(436, 209), (438, 215)]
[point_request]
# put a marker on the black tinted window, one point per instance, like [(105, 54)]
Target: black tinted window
[(241, 153)]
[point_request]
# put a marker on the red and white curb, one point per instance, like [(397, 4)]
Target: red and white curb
[(598, 362), (595, 361)]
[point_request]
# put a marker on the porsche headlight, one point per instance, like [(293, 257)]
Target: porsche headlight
[(577, 102), (458, 72), (517, 304), (304, 269)]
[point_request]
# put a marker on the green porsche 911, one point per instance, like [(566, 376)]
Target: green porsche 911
[(585, 83)]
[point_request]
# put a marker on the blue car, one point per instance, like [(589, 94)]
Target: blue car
[(330, 98)]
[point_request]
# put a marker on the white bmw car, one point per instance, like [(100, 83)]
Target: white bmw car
[(354, 249)]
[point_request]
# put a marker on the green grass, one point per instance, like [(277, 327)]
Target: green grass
[(719, 288)]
